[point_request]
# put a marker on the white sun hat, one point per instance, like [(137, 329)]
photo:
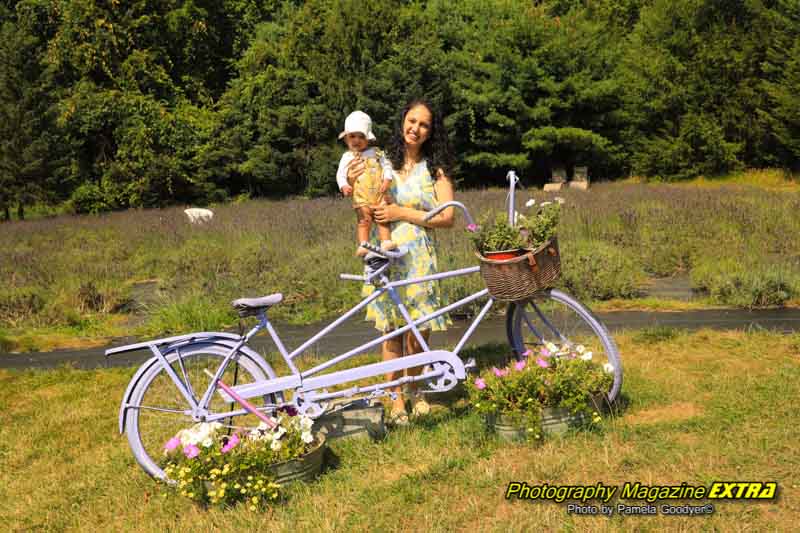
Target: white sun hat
[(358, 122)]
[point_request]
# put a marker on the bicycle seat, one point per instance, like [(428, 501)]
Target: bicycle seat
[(253, 306)]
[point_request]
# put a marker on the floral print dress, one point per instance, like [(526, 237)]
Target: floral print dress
[(415, 191)]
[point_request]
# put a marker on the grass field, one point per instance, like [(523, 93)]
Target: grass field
[(700, 407)]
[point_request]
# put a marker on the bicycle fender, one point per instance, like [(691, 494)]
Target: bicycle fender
[(228, 342), (208, 336)]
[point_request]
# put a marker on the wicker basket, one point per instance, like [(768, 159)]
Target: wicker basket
[(522, 277)]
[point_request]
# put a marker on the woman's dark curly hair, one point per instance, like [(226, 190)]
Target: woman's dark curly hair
[(436, 149)]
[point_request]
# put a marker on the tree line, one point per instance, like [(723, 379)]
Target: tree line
[(109, 104)]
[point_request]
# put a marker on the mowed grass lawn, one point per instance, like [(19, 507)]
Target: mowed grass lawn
[(701, 407)]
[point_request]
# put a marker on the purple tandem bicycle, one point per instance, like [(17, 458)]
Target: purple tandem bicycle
[(217, 377)]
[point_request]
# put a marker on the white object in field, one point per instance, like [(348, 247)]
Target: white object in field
[(197, 215)]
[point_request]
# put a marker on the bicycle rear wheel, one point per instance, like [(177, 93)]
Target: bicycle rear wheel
[(157, 409), (560, 319)]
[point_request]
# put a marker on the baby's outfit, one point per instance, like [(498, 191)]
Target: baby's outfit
[(367, 187)]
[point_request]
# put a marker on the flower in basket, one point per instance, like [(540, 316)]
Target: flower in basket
[(217, 465), (552, 376), (529, 231)]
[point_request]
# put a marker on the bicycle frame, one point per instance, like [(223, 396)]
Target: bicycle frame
[(309, 381)]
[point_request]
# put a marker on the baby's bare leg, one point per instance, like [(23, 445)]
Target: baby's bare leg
[(364, 214), (384, 230)]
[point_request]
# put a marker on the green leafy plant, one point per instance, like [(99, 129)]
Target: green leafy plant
[(531, 230), (212, 467), (557, 376)]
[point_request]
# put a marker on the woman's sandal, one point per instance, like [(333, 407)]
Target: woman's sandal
[(419, 407)]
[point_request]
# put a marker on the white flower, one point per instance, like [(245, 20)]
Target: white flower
[(530, 203), (208, 442), (545, 203), (255, 434), (279, 432), (580, 348), (587, 356), (263, 426), (276, 445), (608, 367), (559, 200), (552, 348), (307, 437), (306, 423)]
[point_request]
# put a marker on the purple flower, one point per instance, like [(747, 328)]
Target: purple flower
[(542, 363), (172, 443), (472, 228), (519, 365), (233, 440), (191, 451), (480, 384), (499, 373), (545, 352), (527, 353), (289, 410)]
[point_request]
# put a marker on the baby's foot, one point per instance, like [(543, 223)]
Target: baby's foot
[(388, 245), (361, 251)]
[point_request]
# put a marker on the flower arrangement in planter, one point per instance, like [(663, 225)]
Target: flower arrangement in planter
[(494, 234), (211, 466), (546, 392), (519, 260)]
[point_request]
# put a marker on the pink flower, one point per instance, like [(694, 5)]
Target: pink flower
[(480, 384), (519, 365), (472, 228), (545, 352), (191, 451), (527, 353), (233, 440), (542, 363), (172, 443), (499, 373)]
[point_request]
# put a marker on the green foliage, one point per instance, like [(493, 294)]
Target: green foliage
[(495, 234), (174, 102)]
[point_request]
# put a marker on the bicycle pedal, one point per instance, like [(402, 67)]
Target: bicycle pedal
[(470, 364)]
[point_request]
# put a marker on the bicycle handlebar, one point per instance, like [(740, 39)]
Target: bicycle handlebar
[(432, 213)]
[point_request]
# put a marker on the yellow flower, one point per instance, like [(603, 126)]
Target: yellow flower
[(252, 507), (254, 499)]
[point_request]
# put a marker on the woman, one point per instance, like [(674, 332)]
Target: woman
[(421, 159)]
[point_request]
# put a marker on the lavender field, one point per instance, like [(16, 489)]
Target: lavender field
[(151, 272)]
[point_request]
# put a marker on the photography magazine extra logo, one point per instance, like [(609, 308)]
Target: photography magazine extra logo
[(579, 496)]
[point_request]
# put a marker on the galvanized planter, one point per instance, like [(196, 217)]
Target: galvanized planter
[(555, 421), (304, 468)]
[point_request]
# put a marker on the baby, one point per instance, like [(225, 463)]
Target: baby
[(369, 189)]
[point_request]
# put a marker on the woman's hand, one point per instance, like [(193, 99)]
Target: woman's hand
[(355, 168), (385, 213)]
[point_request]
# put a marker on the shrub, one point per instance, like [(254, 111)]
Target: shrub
[(594, 270), (732, 281)]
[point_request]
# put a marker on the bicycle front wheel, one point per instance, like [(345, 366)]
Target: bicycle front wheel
[(560, 319), (157, 410)]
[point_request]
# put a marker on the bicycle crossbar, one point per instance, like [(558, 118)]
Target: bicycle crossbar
[(395, 333)]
